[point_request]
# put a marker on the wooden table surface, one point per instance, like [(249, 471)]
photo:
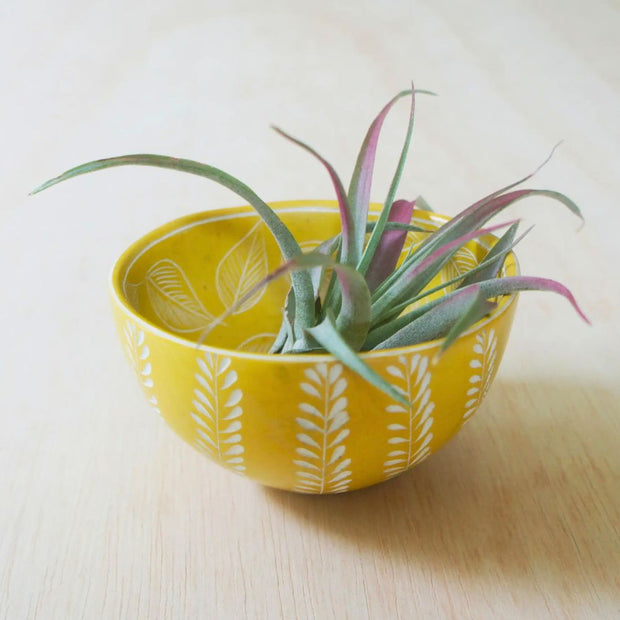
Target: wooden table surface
[(104, 513)]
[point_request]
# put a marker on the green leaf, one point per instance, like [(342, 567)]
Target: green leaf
[(481, 212), (328, 336), (438, 321), (478, 309), (285, 339), (377, 233), (327, 248), (477, 215), (495, 257), (353, 319), (289, 247), (361, 180), (351, 248), (491, 260), (384, 336), (488, 200), (420, 203), (412, 279)]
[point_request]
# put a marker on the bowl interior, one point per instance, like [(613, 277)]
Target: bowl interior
[(183, 275)]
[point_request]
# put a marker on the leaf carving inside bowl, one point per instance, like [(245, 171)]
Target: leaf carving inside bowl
[(241, 268), (173, 298), (261, 343)]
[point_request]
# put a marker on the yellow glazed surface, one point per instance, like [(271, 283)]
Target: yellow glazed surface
[(298, 422)]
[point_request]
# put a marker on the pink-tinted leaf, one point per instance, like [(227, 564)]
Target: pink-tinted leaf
[(377, 233), (351, 246), (482, 211), (490, 289), (460, 308), (513, 284), (391, 244), (361, 181), (490, 265), (472, 209), (471, 219), (414, 278)]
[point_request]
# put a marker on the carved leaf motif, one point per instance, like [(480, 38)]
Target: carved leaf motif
[(242, 267), (173, 298), (261, 343), (139, 353), (412, 241), (463, 261), (483, 366), (216, 410), (322, 453), (410, 427)]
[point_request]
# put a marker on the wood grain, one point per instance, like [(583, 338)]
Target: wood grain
[(103, 512)]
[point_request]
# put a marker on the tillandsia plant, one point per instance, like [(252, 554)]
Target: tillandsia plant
[(354, 293)]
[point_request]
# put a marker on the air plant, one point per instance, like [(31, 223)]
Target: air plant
[(354, 293)]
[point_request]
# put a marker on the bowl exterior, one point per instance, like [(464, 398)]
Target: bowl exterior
[(304, 422)]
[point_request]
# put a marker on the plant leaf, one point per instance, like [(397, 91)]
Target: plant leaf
[(361, 180), (482, 211), (478, 309), (354, 316), (488, 261), (495, 257), (420, 203), (465, 213), (328, 336), (377, 233), (513, 284), (287, 243), (353, 320), (285, 339), (351, 249), (390, 245), (490, 289), (437, 322), (317, 274), (411, 280)]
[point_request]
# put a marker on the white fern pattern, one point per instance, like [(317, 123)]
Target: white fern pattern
[(138, 353), (323, 466), (410, 427), (483, 366), (216, 409)]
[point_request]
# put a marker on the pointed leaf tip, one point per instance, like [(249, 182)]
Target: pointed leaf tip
[(351, 247), (328, 336)]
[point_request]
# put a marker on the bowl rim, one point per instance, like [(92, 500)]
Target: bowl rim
[(137, 248)]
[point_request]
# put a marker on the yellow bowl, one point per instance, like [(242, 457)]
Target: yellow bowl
[(299, 422)]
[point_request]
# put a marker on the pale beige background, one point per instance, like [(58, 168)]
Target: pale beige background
[(103, 512)]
